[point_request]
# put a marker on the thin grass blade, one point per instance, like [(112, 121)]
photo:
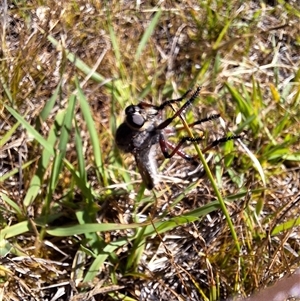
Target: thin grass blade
[(149, 31), (86, 111)]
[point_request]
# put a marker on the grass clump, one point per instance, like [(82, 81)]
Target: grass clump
[(75, 219)]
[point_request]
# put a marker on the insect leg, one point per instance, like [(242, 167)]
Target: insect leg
[(184, 107), (209, 118), (182, 154), (171, 101), (220, 141), (164, 145), (176, 149)]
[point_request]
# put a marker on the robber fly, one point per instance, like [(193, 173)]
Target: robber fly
[(143, 129)]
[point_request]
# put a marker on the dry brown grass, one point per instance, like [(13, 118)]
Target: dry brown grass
[(246, 58)]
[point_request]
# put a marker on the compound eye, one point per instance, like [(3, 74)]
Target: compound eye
[(135, 120), (130, 110)]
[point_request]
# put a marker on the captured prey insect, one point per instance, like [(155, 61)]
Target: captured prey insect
[(143, 129)]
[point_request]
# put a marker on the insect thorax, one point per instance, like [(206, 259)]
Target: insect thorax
[(131, 141)]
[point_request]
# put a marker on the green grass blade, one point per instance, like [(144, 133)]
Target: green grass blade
[(8, 135), (25, 226), (88, 228), (12, 204), (16, 170), (100, 259), (36, 135), (221, 35), (80, 64), (66, 127), (80, 182), (15, 230), (115, 45), (43, 164), (149, 31), (80, 156), (50, 103), (256, 162), (136, 251), (86, 111), (215, 188), (286, 226)]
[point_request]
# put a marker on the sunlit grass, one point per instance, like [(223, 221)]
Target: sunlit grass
[(73, 195)]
